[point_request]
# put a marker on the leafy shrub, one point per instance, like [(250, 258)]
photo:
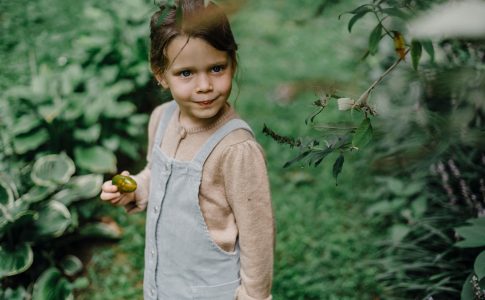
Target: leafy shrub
[(427, 149), (38, 222)]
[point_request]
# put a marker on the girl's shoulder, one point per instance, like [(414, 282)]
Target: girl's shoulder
[(239, 142), (156, 116)]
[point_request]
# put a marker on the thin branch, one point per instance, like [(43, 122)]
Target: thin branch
[(363, 98)]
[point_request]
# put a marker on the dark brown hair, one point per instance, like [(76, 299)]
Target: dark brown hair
[(195, 20)]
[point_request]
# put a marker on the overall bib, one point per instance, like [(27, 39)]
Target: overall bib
[(182, 262)]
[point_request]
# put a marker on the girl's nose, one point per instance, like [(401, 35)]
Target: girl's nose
[(204, 84)]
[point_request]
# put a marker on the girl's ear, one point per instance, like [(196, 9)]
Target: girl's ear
[(161, 79)]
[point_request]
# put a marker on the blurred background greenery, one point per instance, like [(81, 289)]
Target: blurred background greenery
[(76, 94)]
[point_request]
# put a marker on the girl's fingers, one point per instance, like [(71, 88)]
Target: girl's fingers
[(108, 196), (109, 187), (125, 173)]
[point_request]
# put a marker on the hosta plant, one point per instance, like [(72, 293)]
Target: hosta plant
[(36, 223)]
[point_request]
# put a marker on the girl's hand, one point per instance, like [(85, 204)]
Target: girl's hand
[(109, 192)]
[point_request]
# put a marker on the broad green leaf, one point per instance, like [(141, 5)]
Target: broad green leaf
[(88, 135), (30, 141), (363, 134), (467, 292), (129, 148), (80, 283), (479, 266), (120, 110), (416, 51), (15, 261), (18, 293), (51, 111), (38, 193), (6, 194), (71, 265), (52, 170), (428, 47), (473, 235), (374, 39), (95, 159), (54, 218), (398, 233), (419, 206), (51, 285), (138, 120), (111, 143), (79, 188), (337, 167), (25, 123), (100, 230)]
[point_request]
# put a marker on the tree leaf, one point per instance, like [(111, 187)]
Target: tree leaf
[(297, 158), (355, 18), (416, 51), (479, 266), (15, 261), (374, 39), (51, 285), (337, 167), (363, 134), (428, 47), (395, 12), (95, 159)]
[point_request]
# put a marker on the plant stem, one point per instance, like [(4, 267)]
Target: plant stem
[(363, 98)]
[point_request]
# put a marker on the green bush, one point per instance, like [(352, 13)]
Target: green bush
[(38, 221), (80, 105), (420, 133)]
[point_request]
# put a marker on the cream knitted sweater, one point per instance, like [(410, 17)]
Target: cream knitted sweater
[(234, 194)]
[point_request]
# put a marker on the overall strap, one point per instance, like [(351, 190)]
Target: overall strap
[(212, 142), (162, 125)]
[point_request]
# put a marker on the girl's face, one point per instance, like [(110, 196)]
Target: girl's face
[(200, 79)]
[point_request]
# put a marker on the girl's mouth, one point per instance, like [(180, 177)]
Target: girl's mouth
[(205, 103)]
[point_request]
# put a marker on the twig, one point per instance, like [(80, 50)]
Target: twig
[(362, 101)]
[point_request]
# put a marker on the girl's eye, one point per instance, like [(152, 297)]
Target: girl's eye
[(217, 69), (185, 73)]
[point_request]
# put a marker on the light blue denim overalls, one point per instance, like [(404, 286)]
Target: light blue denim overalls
[(181, 260)]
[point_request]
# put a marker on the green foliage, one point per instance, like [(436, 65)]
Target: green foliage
[(444, 126), (70, 112), (35, 219)]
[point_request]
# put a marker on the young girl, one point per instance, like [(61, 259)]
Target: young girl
[(209, 224)]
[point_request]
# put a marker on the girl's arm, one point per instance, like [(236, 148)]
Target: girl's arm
[(248, 193)]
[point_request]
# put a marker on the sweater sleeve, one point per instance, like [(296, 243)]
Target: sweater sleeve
[(247, 190)]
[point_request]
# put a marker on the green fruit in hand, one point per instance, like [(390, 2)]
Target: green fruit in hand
[(125, 184)]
